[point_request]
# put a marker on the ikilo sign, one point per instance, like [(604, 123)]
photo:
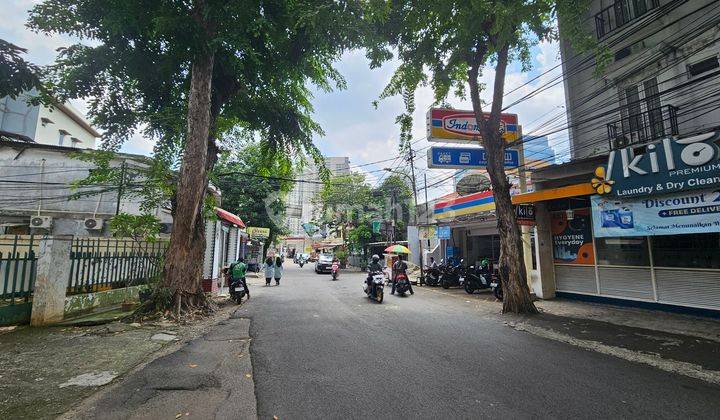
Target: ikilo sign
[(457, 126), (669, 166)]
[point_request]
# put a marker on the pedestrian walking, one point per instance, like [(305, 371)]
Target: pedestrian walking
[(278, 269), (269, 267)]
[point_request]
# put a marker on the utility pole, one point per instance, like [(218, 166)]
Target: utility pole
[(120, 188), (415, 209)]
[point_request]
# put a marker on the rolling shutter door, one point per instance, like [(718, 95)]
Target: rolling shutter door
[(575, 278), (698, 288)]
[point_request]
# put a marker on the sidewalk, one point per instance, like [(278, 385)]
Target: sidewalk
[(209, 377), (45, 371), (684, 344)]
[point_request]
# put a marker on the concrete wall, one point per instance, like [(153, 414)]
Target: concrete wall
[(89, 301), (660, 46)]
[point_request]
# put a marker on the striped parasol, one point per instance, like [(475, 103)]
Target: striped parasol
[(397, 249)]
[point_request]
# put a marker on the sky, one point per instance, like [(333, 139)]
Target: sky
[(353, 126)]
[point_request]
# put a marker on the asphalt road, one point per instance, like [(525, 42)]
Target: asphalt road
[(321, 349)]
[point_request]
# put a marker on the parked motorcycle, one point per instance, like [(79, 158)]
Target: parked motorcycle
[(402, 283), (237, 291), (432, 275), (375, 290), (452, 276), (477, 279)]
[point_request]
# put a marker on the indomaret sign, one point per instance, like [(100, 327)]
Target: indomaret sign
[(458, 126)]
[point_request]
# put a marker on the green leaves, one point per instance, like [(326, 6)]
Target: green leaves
[(16, 74), (143, 227)]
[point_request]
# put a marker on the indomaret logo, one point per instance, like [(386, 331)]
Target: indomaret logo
[(668, 166), (464, 124)]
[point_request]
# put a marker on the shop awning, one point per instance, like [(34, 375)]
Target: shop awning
[(575, 190), (468, 204), (229, 217)]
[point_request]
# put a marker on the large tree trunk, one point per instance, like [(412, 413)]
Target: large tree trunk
[(516, 295), (182, 273)]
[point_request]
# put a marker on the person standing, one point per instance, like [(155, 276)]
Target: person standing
[(278, 269), (269, 267)]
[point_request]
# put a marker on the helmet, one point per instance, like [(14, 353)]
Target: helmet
[(485, 262), (375, 258)]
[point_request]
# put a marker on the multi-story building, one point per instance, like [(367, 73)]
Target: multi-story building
[(300, 206), (57, 125), (632, 213)]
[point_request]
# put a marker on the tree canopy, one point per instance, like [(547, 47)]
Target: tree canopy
[(16, 74), (253, 188)]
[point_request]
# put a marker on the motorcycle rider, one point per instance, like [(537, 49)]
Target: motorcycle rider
[(400, 267), (373, 267), (237, 274)]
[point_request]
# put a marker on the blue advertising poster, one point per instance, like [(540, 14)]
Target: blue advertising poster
[(450, 252), (688, 212), (443, 232), (466, 158)]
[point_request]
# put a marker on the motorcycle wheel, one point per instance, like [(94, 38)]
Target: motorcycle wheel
[(379, 296), (468, 288), (445, 284), (497, 292), (238, 298)]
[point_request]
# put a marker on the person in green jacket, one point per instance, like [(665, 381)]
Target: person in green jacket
[(237, 274)]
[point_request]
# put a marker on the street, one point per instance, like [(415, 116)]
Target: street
[(320, 349)]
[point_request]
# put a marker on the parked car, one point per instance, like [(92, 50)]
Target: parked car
[(323, 263)]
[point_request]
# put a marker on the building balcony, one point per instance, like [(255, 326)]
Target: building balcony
[(644, 127), (620, 13)]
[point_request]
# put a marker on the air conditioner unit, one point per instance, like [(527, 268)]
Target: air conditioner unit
[(94, 224), (41, 222), (166, 227), (622, 141)]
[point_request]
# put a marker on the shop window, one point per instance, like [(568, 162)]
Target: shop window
[(572, 237), (699, 250), (630, 251)]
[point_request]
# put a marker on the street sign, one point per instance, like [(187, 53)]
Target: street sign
[(460, 126), (466, 158), (443, 232)]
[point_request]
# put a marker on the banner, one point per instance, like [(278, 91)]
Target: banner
[(453, 125), (572, 238), (428, 232), (258, 232), (687, 212)]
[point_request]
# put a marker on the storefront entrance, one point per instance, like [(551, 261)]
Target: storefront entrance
[(673, 269)]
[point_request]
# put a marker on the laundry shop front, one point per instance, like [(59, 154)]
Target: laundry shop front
[(643, 228)]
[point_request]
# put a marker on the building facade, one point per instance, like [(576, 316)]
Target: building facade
[(634, 216), (58, 125), (300, 206)]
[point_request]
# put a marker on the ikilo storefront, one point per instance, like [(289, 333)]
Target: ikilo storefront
[(645, 229)]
